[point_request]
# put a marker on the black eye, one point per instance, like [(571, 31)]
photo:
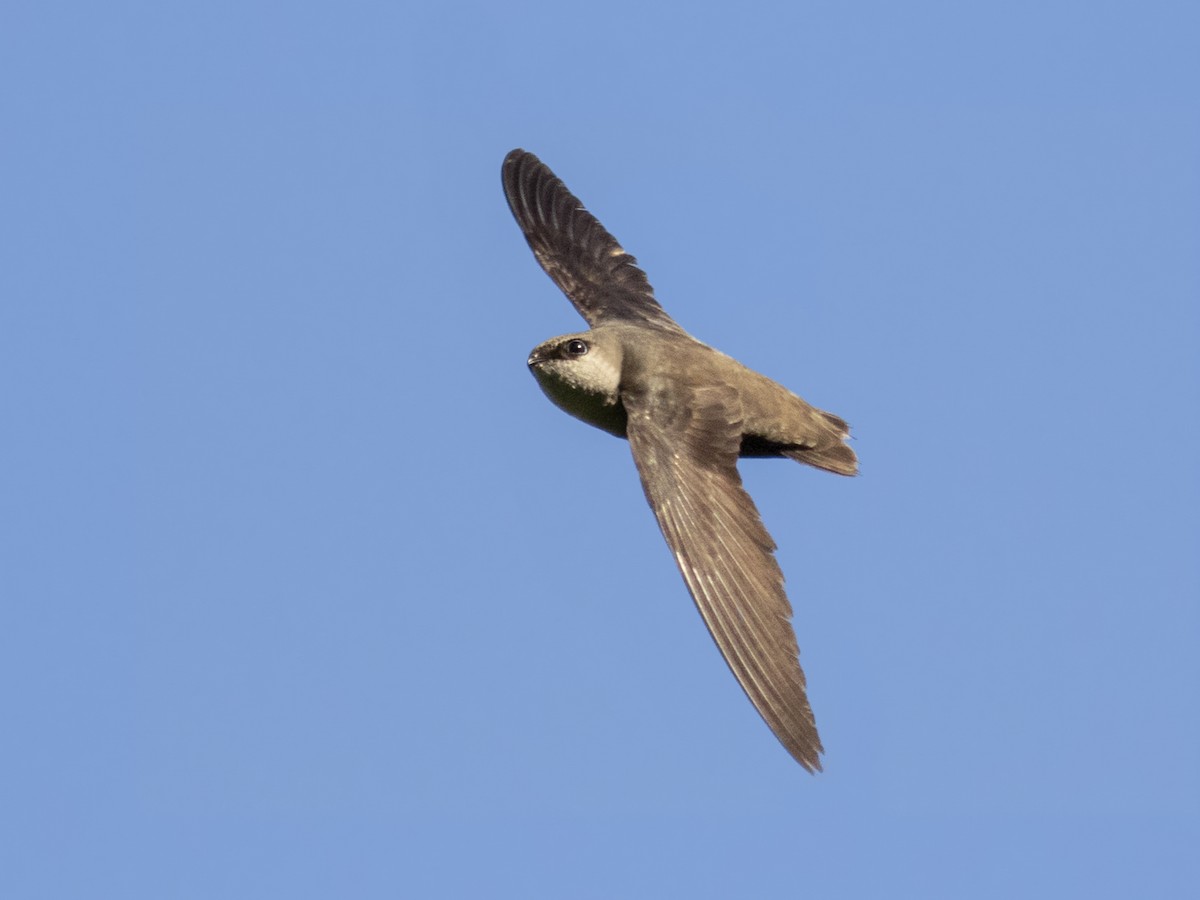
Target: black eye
[(576, 347)]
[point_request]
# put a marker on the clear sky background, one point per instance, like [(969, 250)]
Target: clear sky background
[(309, 592)]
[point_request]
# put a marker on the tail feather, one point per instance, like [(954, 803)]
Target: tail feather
[(832, 454), (837, 458)]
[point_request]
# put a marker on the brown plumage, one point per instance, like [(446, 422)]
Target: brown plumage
[(689, 412)]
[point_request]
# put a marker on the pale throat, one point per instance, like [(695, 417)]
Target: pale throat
[(588, 391)]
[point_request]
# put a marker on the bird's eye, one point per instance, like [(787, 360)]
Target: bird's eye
[(576, 347)]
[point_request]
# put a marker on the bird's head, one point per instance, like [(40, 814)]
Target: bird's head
[(581, 374)]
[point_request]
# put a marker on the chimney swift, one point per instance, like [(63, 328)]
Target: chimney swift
[(689, 412)]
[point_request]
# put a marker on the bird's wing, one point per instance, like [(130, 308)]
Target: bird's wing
[(685, 444), (585, 261)]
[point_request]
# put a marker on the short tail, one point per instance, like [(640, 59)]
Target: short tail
[(831, 453)]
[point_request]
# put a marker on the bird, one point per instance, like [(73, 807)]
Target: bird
[(689, 412)]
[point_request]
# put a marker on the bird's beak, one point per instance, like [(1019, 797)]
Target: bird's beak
[(534, 359)]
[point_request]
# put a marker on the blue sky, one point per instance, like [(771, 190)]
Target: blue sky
[(308, 591)]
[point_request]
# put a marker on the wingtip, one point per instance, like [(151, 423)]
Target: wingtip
[(513, 156), (810, 764), (523, 175), (518, 161)]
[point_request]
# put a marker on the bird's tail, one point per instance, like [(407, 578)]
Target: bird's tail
[(832, 453)]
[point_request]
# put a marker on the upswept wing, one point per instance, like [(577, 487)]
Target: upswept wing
[(602, 281)]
